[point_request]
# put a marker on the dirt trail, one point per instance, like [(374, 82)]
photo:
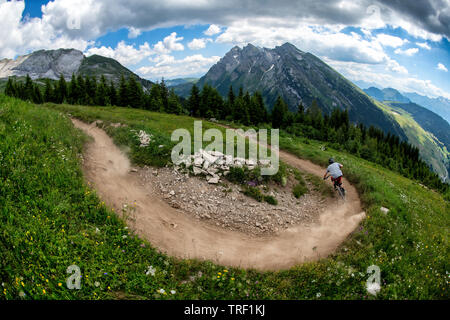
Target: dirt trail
[(177, 234)]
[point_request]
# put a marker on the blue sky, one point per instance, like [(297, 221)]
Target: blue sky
[(383, 43)]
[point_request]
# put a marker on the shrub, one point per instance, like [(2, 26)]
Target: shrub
[(299, 190), (254, 193), (270, 200), (237, 175)]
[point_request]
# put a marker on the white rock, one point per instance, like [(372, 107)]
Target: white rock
[(198, 162), (197, 170), (206, 165), (213, 180), (208, 157)]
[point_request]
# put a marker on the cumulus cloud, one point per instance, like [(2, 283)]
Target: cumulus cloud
[(408, 52), (321, 41), (19, 36), (441, 67), (212, 30), (133, 32), (423, 45), (432, 16), (127, 55), (168, 67), (197, 44), (427, 18), (169, 44), (390, 41)]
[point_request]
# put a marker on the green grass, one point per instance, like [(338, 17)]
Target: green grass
[(49, 219)]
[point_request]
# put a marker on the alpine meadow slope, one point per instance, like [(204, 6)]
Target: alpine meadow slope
[(58, 220)]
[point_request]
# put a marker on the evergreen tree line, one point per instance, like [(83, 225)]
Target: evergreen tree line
[(368, 143), (90, 91), (248, 109)]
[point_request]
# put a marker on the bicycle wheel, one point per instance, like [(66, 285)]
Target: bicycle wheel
[(341, 192)]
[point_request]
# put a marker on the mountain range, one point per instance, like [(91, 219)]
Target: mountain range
[(296, 76), (439, 105), (300, 77), (52, 63)]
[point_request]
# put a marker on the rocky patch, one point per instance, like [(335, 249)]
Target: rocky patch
[(223, 204)]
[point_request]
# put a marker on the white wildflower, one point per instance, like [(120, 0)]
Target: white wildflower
[(151, 271)]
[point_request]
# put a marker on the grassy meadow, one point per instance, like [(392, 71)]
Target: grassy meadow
[(51, 219)]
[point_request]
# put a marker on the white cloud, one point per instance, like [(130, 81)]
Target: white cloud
[(441, 67), (127, 55), (168, 67), (212, 30), (169, 44), (382, 77), (408, 52), (133, 32), (320, 40), (20, 37), (197, 44), (394, 66), (423, 45), (390, 41)]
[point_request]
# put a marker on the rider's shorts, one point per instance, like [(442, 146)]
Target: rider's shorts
[(337, 180)]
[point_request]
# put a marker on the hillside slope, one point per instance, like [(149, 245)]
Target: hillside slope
[(439, 105), (432, 150)]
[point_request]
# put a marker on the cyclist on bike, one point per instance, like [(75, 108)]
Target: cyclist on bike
[(334, 170)]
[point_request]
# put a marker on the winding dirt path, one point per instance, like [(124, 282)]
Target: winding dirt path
[(178, 234)]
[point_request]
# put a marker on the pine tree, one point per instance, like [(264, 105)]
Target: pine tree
[(101, 96), (91, 89), (154, 100), (123, 92), (135, 93), (62, 89), (73, 91), (174, 105), (10, 89), (194, 102), (48, 91), (227, 110), (258, 111), (164, 94), (279, 113), (112, 94), (28, 90), (37, 95), (82, 95)]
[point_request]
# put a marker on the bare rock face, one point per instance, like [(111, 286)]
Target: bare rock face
[(44, 64), (52, 63)]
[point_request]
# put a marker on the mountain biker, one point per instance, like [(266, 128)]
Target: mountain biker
[(334, 170)]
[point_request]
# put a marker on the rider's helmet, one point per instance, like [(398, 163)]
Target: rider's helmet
[(331, 160)]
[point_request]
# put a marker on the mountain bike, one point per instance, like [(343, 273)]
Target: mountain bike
[(338, 188)]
